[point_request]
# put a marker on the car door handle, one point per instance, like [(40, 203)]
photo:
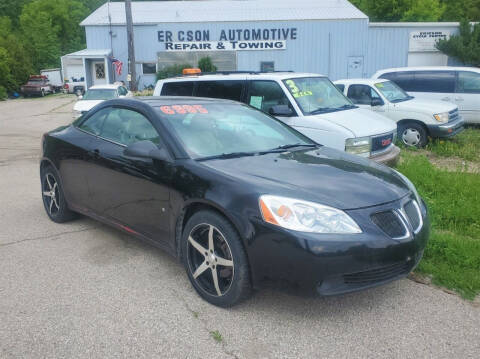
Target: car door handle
[(446, 99), (95, 153)]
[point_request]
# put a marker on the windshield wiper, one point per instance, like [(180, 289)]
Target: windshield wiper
[(227, 155), (286, 147), (331, 109)]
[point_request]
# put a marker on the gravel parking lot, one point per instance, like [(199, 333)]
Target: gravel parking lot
[(86, 290)]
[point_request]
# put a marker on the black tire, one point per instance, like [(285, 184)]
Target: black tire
[(233, 275), (54, 202), (413, 134)]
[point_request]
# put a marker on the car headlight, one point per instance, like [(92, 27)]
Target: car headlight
[(359, 146), (411, 187), (304, 216), (441, 117)]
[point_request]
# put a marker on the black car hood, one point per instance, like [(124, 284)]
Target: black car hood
[(322, 175)]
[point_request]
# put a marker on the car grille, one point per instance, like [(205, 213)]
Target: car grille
[(453, 115), (390, 223), (394, 222), (413, 215), (377, 275), (381, 143)]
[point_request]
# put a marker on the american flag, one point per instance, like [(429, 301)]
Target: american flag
[(118, 66)]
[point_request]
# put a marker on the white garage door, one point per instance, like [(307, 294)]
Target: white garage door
[(427, 59)]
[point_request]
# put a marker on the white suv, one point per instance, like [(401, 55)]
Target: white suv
[(459, 85), (416, 119), (308, 102)]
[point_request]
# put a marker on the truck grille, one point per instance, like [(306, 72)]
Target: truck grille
[(453, 115), (381, 143), (377, 275)]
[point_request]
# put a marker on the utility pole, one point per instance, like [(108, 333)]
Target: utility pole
[(132, 76)]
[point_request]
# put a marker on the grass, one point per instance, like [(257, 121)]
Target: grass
[(452, 256), (465, 145), (216, 336)]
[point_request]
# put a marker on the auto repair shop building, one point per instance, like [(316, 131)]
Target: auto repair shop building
[(331, 37)]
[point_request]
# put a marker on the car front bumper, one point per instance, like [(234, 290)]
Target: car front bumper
[(446, 130), (335, 264), (389, 158)]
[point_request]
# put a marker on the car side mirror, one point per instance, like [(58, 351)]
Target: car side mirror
[(280, 110), (376, 102), (147, 150)]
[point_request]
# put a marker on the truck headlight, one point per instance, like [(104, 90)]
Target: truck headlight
[(359, 146), (441, 117), (304, 216)]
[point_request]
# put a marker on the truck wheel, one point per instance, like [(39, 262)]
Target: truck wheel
[(413, 134)]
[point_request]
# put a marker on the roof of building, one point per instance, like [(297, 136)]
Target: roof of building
[(90, 53), (154, 12)]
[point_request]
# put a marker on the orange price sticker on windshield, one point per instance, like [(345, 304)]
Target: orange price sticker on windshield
[(183, 109)]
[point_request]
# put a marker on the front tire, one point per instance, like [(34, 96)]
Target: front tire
[(53, 197), (215, 260), (413, 135)]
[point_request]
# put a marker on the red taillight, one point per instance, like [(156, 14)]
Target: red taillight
[(65, 86)]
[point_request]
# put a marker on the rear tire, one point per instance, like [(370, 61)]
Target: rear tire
[(53, 198), (413, 134), (215, 260)]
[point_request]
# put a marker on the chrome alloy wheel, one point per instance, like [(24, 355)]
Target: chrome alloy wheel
[(51, 195), (411, 137), (210, 260)]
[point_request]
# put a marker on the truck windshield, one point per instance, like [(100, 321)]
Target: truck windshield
[(392, 92), (100, 94), (316, 95)]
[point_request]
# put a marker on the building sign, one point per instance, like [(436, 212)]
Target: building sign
[(426, 40), (228, 40)]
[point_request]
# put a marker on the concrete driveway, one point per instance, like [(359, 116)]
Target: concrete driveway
[(86, 290)]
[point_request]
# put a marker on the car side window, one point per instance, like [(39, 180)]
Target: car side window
[(181, 88), (229, 90), (404, 79), (468, 82), (94, 123), (361, 94), (434, 81), (266, 94), (126, 127)]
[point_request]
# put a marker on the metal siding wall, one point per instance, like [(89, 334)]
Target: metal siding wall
[(388, 46), (308, 53)]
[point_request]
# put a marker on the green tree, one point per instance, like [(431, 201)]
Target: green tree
[(171, 71), (401, 10), (465, 46), (15, 64), (51, 28), (206, 65), (12, 9), (456, 10)]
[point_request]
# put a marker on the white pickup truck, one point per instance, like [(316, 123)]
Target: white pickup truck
[(416, 119)]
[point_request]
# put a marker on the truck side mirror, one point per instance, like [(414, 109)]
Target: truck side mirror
[(376, 102), (280, 110)]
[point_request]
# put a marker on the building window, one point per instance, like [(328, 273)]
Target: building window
[(267, 66), (149, 68)]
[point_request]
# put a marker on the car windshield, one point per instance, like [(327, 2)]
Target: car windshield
[(317, 95), (211, 130), (100, 94), (392, 92)]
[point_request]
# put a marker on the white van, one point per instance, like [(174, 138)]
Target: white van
[(416, 119), (459, 85), (308, 102)]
